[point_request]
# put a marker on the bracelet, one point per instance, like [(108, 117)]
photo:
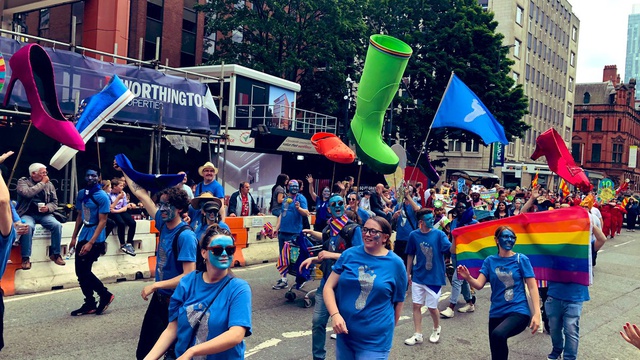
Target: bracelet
[(334, 314)]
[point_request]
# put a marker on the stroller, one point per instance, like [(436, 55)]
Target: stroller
[(298, 251)]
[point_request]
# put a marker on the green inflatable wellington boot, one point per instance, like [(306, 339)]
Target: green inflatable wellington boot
[(387, 57)]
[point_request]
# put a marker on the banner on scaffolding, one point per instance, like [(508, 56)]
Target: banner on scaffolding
[(179, 103)]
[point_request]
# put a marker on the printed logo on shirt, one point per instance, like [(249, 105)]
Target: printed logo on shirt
[(366, 276), (506, 277)]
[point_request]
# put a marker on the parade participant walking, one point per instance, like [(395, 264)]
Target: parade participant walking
[(93, 206), (209, 207), (364, 295), (405, 219), (632, 213), (289, 224), (210, 311), (170, 267), (7, 236), (340, 234), (508, 273), (322, 203), (427, 276)]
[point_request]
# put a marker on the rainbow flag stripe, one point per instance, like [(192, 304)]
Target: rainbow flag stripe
[(556, 242)]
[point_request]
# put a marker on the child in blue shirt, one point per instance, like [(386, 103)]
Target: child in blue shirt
[(428, 246), (507, 272)]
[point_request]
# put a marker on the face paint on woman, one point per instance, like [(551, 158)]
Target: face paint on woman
[(212, 215), (336, 206), (507, 239), (428, 221), (225, 260)]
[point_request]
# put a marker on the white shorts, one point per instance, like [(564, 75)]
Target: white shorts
[(421, 294)]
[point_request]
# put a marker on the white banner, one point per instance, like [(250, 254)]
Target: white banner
[(297, 145), (633, 156)]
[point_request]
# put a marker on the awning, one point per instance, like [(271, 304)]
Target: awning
[(475, 176)]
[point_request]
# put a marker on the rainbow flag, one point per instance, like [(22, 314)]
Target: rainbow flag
[(556, 242)]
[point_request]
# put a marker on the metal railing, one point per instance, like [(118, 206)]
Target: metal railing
[(284, 117)]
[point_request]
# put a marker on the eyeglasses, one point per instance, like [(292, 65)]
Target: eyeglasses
[(218, 250), (373, 232), (335, 204), (208, 171), (353, 199)]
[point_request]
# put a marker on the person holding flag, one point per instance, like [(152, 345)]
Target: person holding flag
[(534, 182), (564, 188)]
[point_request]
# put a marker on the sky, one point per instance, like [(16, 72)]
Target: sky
[(603, 36)]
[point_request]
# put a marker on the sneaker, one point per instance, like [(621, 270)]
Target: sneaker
[(281, 284), (56, 258), (26, 263), (435, 335), (84, 310), (467, 308), (104, 303), (128, 249), (415, 339), (447, 313), (334, 336)]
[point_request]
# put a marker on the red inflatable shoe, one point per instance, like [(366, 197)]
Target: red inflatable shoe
[(332, 148)]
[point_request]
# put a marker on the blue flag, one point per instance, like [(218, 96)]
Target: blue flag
[(461, 108)]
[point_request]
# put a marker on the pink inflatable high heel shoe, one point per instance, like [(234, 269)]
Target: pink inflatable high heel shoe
[(32, 66)]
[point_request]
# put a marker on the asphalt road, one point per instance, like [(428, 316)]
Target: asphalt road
[(38, 326)]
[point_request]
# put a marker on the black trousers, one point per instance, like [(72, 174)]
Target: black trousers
[(89, 282), (1, 319), (399, 247), (501, 329), (121, 221), (155, 321)]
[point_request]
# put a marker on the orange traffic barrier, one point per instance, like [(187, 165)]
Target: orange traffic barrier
[(239, 233), (8, 279), (152, 259)]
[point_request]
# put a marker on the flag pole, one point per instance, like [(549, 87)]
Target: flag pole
[(424, 143)]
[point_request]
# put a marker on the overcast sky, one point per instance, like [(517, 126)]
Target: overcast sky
[(603, 36)]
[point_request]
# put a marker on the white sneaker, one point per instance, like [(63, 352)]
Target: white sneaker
[(334, 336), (415, 339), (435, 335), (447, 313), (467, 308)]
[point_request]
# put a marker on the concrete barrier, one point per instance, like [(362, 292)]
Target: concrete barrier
[(259, 249)]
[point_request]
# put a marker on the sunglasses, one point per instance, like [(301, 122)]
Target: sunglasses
[(353, 199), (334, 204), (218, 250), (373, 232)]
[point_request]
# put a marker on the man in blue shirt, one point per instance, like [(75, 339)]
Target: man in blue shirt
[(405, 220), (564, 307), (7, 236), (170, 267), (93, 206), (289, 224)]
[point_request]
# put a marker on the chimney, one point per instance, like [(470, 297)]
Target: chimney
[(610, 73)]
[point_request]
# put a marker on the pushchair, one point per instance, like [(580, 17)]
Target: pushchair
[(299, 250)]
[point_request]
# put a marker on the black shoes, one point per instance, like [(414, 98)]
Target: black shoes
[(104, 303), (84, 310)]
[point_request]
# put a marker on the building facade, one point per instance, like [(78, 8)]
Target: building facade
[(543, 39), (607, 129), (632, 62)]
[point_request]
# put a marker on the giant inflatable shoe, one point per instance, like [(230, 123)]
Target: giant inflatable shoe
[(149, 182), (94, 112), (387, 57), (332, 148)]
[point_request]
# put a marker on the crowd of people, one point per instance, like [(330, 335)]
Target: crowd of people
[(198, 308)]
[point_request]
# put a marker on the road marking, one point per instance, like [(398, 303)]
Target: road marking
[(267, 344), (25, 297), (624, 243), (295, 334)]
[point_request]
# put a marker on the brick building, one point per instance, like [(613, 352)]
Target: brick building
[(126, 27), (606, 128)]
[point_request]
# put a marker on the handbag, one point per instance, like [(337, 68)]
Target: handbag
[(532, 306), (197, 324)]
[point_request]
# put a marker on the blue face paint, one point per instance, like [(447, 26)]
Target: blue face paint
[(507, 239), (168, 210), (428, 221), (91, 177), (225, 260), (294, 188), (336, 206)]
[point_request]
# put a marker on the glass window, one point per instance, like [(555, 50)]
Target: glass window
[(575, 152), (516, 48), (454, 145), (572, 59), (471, 146), (597, 125), (616, 155), (574, 33), (519, 12), (619, 125), (569, 109), (587, 98), (595, 152), (584, 126), (570, 84)]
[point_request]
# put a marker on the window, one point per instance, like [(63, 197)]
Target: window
[(454, 145), (516, 78), (189, 29), (587, 98), (43, 26), (574, 33), (597, 125), (519, 12), (471, 146), (619, 125), (616, 155), (535, 109), (516, 48), (153, 29), (572, 59), (569, 109), (595, 152), (584, 126), (570, 84), (575, 152), (527, 71)]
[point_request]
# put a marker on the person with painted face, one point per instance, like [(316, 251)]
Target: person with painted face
[(322, 203), (170, 266), (427, 246), (290, 224), (365, 293), (94, 206), (209, 207), (340, 234), (210, 311), (509, 273)]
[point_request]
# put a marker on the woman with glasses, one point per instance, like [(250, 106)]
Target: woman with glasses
[(509, 273), (353, 204), (210, 311), (364, 295)]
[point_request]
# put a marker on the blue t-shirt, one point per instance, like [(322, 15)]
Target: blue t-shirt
[(404, 221), (568, 291), (367, 290), (429, 249), (202, 228), (213, 187), (91, 214), (507, 285), (168, 265), (322, 211), (290, 219), (231, 308), (14, 213), (363, 214), (5, 249)]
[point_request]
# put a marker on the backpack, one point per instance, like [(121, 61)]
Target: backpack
[(346, 233), (200, 266)]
